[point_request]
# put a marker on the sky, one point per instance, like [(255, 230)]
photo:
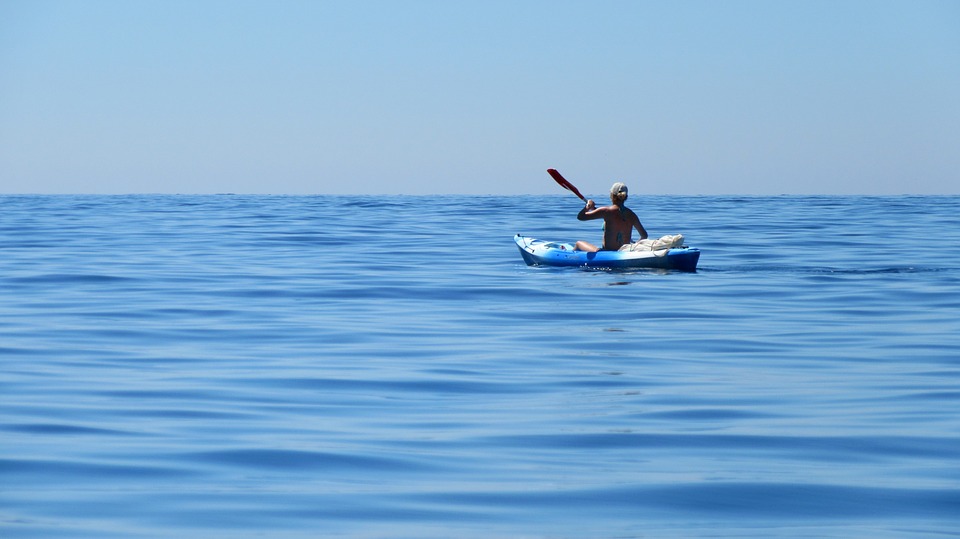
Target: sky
[(479, 97)]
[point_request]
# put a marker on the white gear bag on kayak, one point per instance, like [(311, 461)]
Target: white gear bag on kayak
[(670, 241)]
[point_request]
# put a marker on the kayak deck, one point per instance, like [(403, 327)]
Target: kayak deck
[(551, 253)]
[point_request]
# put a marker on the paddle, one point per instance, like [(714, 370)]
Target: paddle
[(564, 183)]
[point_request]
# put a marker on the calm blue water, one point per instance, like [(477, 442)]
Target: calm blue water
[(239, 366)]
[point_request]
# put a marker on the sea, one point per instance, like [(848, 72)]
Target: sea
[(233, 366)]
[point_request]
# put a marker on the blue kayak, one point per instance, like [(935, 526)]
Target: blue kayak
[(552, 253)]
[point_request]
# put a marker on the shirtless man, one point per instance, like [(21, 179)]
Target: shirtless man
[(618, 221)]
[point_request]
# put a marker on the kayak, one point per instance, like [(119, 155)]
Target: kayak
[(553, 253)]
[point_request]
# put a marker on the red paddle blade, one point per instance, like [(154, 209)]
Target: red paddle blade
[(564, 183)]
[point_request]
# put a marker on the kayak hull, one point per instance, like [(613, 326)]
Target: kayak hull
[(550, 253)]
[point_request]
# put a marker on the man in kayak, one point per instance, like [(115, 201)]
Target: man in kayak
[(618, 221)]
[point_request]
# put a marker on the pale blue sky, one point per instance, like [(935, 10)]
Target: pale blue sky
[(384, 97)]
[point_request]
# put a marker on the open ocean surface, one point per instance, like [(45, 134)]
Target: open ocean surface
[(337, 366)]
